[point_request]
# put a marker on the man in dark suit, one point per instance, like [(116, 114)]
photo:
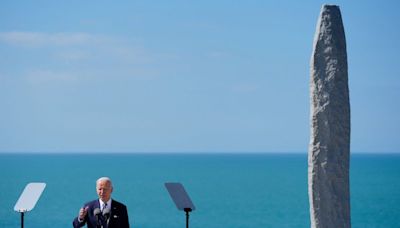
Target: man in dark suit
[(103, 212)]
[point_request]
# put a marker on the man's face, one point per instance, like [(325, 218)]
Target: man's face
[(104, 190)]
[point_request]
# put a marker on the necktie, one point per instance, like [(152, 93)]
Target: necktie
[(105, 218)]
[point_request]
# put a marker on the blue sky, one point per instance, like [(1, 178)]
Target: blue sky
[(186, 76)]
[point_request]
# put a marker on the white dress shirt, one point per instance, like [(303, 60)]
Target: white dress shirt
[(102, 204)]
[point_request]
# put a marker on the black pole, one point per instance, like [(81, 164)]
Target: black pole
[(22, 219), (187, 219), (187, 210)]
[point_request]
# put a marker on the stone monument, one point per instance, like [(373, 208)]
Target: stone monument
[(329, 149)]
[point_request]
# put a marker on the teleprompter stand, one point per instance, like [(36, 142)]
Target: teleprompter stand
[(181, 199), (28, 199)]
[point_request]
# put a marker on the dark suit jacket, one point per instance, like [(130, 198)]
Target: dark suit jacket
[(118, 217)]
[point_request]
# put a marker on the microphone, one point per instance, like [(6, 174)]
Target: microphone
[(97, 213), (107, 213)]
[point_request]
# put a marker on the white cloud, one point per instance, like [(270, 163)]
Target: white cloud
[(79, 46), (218, 54), (46, 76), (37, 39), (99, 56), (74, 55), (245, 88)]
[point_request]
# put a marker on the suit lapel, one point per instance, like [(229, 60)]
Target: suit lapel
[(93, 218), (114, 213), (97, 204)]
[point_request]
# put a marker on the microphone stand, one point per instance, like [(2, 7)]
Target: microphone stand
[(97, 213), (106, 216), (187, 210), (98, 225), (22, 219)]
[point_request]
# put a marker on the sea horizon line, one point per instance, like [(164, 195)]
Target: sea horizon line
[(181, 153)]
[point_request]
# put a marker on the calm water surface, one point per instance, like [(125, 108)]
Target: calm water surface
[(229, 190)]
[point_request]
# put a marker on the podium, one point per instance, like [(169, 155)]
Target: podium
[(181, 199), (28, 199)]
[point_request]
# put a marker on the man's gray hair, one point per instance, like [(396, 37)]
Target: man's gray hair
[(107, 179)]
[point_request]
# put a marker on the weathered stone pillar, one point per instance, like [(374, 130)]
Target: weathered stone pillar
[(329, 149)]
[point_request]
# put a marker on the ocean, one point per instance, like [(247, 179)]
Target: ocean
[(228, 190)]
